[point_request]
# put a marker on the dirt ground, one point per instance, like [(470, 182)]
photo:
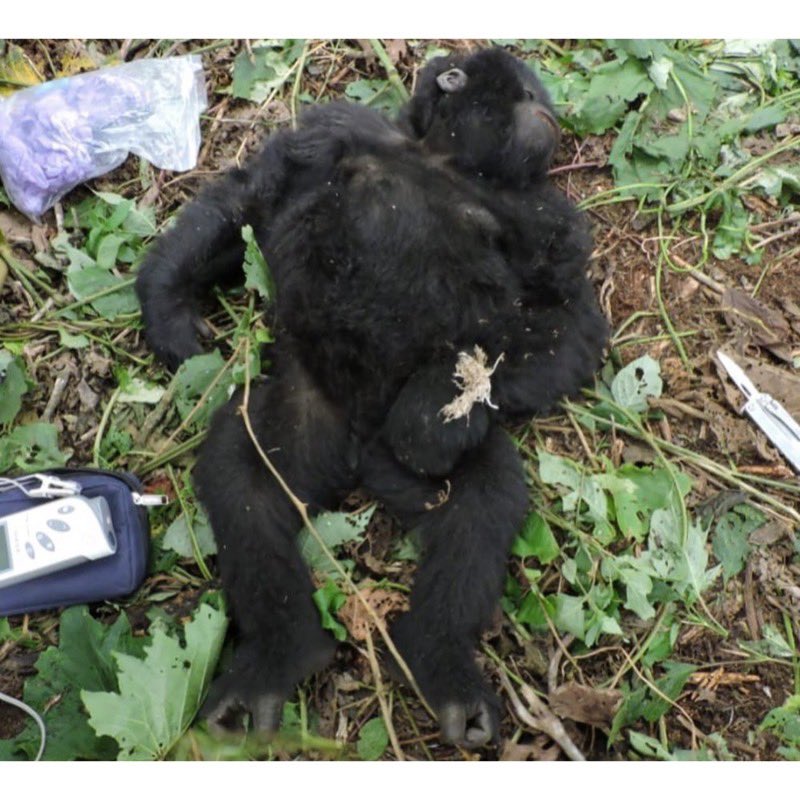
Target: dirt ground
[(729, 694)]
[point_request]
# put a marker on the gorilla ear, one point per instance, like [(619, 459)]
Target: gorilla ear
[(419, 112), (454, 80)]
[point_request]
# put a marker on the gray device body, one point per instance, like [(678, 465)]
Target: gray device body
[(54, 536)]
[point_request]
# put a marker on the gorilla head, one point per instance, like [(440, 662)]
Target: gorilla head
[(488, 113)]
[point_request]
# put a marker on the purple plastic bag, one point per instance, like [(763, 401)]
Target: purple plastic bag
[(64, 132)]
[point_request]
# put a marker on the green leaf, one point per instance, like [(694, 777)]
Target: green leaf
[(107, 250), (193, 378), (160, 694), (730, 544), (560, 471), (139, 390), (179, 539), (75, 341), (568, 614), (31, 448), (732, 229), (379, 94), (334, 528), (86, 282), (257, 273), (779, 179), (613, 86), (329, 599), (643, 703), (635, 576), (637, 492), (13, 385), (82, 661), (637, 381), (536, 539), (265, 69), (784, 722), (772, 644), (681, 562), (372, 740)]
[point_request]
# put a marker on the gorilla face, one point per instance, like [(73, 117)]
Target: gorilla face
[(489, 113)]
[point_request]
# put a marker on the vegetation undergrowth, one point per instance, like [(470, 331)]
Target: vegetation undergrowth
[(629, 608)]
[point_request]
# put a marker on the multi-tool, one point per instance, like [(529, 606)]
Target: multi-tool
[(779, 426)]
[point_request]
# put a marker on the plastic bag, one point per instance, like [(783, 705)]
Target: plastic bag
[(61, 133)]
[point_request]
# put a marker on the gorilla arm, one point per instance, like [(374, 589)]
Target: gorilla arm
[(202, 248), (205, 245), (418, 429)]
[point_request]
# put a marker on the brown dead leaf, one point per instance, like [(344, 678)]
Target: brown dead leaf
[(382, 601), (634, 453), (542, 748), (15, 227), (584, 704), (779, 382), (764, 326), (770, 533), (396, 49)]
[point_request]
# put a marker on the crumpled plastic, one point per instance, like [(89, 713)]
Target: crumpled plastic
[(61, 133)]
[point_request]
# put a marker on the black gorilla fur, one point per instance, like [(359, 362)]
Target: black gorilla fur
[(394, 246)]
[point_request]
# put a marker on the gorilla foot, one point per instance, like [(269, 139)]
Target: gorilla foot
[(470, 724), (225, 710), (258, 682)]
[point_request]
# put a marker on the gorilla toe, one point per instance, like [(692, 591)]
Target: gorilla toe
[(471, 725)]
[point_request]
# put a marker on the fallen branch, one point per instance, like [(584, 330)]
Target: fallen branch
[(538, 717)]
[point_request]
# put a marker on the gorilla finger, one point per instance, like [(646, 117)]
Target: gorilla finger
[(267, 711), (453, 723), (482, 727)]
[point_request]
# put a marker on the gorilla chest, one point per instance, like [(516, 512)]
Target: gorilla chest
[(390, 263)]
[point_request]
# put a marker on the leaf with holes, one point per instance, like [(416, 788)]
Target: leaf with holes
[(633, 384), (31, 448), (731, 546), (160, 694), (82, 660)]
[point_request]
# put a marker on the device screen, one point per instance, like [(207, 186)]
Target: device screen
[(5, 559)]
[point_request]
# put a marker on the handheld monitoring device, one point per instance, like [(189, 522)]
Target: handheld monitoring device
[(53, 536)]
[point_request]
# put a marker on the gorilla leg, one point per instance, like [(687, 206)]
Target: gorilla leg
[(280, 641), (467, 534)]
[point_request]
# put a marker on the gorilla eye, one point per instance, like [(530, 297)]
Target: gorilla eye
[(529, 94)]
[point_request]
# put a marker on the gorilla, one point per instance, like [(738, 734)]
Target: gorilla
[(397, 249)]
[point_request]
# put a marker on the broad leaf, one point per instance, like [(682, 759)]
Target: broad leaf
[(193, 378), (179, 539), (257, 273), (160, 694), (31, 448), (637, 381), (82, 661), (334, 528), (13, 385), (372, 739), (536, 539)]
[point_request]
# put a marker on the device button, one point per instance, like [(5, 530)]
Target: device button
[(45, 541), (29, 550), (66, 509), (57, 525)]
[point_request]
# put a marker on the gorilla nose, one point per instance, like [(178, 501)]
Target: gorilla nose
[(536, 127), (542, 113)]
